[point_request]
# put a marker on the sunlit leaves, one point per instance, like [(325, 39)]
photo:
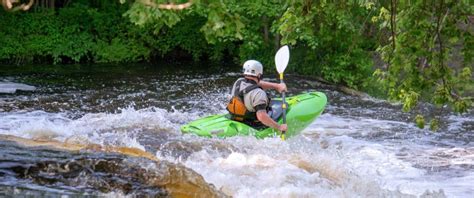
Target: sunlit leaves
[(434, 124), (420, 121), (331, 31), (332, 36), (465, 74), (409, 99), (430, 37), (222, 24)]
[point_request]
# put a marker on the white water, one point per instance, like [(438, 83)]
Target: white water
[(118, 129), (324, 161)]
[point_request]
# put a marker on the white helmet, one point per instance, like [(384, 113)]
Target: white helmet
[(253, 68)]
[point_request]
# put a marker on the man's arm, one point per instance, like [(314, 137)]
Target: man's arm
[(280, 87), (263, 117)]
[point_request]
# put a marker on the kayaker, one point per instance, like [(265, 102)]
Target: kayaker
[(249, 103)]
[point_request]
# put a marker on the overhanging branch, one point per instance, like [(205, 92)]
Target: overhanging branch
[(9, 5), (169, 6)]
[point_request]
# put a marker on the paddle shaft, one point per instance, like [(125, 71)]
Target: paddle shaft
[(283, 106)]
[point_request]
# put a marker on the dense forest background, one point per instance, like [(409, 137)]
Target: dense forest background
[(403, 50)]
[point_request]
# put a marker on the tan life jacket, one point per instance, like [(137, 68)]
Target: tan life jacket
[(236, 105)]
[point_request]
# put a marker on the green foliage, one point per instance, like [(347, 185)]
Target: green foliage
[(234, 26), (427, 47), (332, 39), (71, 34), (328, 38), (419, 41), (420, 121), (429, 51), (96, 32), (434, 124), (409, 99)]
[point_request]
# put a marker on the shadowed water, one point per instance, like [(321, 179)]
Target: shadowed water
[(358, 147)]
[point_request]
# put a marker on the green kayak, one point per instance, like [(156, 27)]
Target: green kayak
[(302, 110)]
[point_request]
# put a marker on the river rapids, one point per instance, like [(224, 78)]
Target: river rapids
[(113, 131)]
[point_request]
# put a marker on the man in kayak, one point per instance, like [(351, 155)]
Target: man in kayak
[(249, 103)]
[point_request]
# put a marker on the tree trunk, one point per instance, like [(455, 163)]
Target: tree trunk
[(265, 30), (393, 21)]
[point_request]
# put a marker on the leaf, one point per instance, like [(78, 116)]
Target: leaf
[(465, 73), (434, 124), (454, 40), (420, 121)]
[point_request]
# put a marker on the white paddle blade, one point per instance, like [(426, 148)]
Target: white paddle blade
[(281, 58)]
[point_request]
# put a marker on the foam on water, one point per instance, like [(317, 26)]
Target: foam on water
[(296, 168), (335, 156), (331, 158), (398, 163), (257, 168), (118, 129)]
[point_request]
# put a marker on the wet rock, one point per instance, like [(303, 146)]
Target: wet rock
[(82, 170), (10, 88)]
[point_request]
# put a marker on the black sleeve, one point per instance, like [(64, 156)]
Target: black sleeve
[(260, 107)]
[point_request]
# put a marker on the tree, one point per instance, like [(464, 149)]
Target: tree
[(326, 36), (429, 53)]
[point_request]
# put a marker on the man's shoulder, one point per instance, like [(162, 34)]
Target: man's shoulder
[(240, 79), (258, 92)]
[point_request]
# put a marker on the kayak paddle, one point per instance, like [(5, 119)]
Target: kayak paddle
[(281, 61)]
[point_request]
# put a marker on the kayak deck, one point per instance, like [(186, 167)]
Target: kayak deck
[(302, 110)]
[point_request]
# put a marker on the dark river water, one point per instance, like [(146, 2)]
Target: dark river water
[(113, 131)]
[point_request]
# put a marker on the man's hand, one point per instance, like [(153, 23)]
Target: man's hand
[(263, 117), (281, 87)]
